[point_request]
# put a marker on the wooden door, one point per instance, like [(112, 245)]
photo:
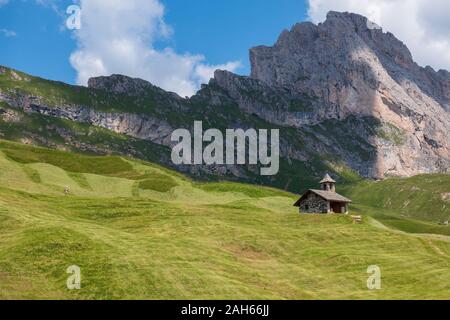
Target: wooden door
[(336, 207)]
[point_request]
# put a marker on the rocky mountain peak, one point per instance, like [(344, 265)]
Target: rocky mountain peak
[(353, 68), (341, 36), (121, 84), (353, 20)]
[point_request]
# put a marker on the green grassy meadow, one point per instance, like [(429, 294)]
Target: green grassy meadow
[(418, 204), (140, 231)]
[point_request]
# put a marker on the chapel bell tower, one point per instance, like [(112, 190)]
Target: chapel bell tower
[(328, 184)]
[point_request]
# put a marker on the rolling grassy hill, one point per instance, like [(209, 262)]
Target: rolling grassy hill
[(138, 230), (417, 205)]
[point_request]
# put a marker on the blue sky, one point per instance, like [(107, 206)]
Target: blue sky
[(40, 46), (220, 30), (224, 30)]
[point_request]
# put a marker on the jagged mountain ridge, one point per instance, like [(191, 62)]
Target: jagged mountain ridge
[(354, 68), (326, 87)]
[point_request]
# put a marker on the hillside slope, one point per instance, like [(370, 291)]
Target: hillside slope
[(138, 230), (419, 204)]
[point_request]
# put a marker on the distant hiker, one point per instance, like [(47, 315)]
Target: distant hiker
[(66, 190)]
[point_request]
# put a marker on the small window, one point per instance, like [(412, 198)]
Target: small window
[(306, 207)]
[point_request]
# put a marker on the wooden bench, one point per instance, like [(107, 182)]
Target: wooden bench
[(356, 219)]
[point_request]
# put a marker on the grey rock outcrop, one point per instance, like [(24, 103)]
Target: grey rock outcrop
[(354, 68)]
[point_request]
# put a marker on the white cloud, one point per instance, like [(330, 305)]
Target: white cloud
[(204, 71), (118, 36), (423, 25), (8, 33)]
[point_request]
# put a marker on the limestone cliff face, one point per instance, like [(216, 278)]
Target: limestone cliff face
[(354, 68), (135, 125)]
